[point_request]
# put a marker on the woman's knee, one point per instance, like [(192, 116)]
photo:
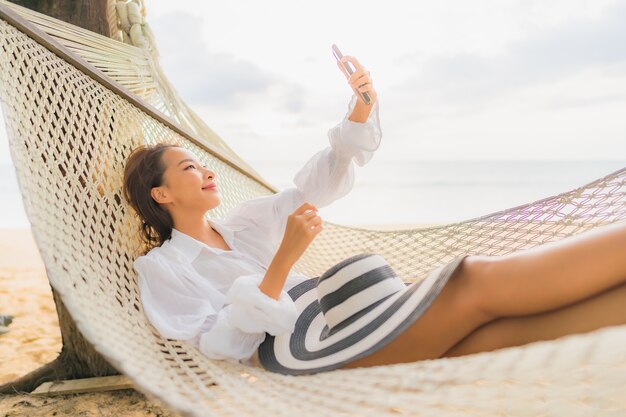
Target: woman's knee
[(473, 279)]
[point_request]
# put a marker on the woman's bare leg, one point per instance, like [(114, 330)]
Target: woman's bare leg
[(452, 316), (554, 274), (525, 282), (605, 309)]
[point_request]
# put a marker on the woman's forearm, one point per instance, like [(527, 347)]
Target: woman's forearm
[(276, 274)]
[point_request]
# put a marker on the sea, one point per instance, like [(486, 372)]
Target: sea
[(407, 192)]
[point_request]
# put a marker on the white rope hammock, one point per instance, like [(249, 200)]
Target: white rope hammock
[(70, 129)]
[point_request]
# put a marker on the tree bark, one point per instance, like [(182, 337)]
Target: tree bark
[(78, 358), (88, 14)]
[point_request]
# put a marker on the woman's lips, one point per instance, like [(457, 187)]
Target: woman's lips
[(212, 187)]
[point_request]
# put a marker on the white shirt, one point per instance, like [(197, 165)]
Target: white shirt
[(209, 296)]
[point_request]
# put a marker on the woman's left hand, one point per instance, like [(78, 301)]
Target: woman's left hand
[(359, 80)]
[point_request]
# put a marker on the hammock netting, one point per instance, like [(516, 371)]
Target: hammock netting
[(69, 135)]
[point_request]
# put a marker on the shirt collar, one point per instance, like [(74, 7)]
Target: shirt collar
[(189, 248)]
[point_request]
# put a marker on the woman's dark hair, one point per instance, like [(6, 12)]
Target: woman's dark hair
[(143, 170)]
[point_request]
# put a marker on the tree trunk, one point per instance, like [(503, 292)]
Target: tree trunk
[(88, 14), (78, 358)]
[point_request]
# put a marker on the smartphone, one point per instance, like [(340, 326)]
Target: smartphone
[(348, 66)]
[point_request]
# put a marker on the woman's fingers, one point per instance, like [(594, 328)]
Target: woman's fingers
[(362, 83), (315, 223), (304, 207), (360, 80), (354, 61), (359, 72), (310, 214), (364, 87)]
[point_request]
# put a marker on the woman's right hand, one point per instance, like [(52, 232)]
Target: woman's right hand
[(303, 225), (360, 80)]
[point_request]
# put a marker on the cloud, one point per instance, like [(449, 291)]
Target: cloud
[(548, 56), (293, 99), (204, 77), (585, 101)]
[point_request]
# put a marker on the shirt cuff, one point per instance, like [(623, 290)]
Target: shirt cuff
[(253, 311), (226, 342), (355, 139)]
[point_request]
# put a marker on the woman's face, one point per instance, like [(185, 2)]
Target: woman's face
[(184, 179)]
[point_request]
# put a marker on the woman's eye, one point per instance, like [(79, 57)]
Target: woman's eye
[(190, 166)]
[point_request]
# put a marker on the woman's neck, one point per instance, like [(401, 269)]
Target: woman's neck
[(199, 229)]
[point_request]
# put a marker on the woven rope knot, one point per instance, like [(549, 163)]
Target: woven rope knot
[(131, 18)]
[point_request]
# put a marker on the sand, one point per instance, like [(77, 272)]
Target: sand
[(34, 338)]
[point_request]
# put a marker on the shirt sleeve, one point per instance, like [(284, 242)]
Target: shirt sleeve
[(185, 306), (174, 300), (240, 327), (327, 176)]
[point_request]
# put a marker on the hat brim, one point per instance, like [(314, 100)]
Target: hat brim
[(310, 348)]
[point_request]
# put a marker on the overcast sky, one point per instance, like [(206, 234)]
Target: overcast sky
[(496, 80), (513, 79), (456, 79)]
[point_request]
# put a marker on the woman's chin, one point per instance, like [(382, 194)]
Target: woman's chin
[(215, 204)]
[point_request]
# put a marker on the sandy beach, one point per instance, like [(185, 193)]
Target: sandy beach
[(34, 338)]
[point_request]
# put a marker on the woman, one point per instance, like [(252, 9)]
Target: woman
[(222, 284)]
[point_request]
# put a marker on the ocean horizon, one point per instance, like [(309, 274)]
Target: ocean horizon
[(407, 192)]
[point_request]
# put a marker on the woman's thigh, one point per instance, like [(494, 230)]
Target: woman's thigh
[(452, 315), (600, 310)]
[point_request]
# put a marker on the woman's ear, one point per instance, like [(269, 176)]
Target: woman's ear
[(158, 195)]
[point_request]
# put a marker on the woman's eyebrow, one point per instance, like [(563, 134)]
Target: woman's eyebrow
[(185, 160)]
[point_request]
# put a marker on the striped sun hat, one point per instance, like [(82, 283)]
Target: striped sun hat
[(355, 308)]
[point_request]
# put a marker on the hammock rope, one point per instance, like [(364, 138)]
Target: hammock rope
[(70, 128)]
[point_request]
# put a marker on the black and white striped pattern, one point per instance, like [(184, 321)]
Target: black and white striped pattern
[(356, 284), (353, 309)]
